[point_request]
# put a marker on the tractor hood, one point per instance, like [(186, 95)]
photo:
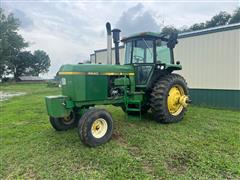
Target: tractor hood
[(88, 82), (96, 69)]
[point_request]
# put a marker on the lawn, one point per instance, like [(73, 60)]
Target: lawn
[(206, 144)]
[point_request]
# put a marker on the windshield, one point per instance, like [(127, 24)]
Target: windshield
[(140, 51), (143, 51)]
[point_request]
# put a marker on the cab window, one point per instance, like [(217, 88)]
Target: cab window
[(128, 52), (163, 52), (143, 51)]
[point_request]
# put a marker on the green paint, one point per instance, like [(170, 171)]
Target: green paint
[(216, 98), (121, 81), (116, 101), (145, 34), (173, 67), (96, 68), (89, 87), (74, 87), (58, 106), (96, 87)]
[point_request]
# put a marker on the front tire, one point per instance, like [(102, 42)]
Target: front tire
[(64, 123), (95, 127), (168, 97)]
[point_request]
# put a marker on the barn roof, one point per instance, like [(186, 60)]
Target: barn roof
[(186, 34)]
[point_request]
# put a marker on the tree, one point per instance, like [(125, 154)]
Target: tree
[(235, 17), (221, 18), (21, 64), (26, 63), (11, 43), (40, 63), (169, 30), (197, 26)]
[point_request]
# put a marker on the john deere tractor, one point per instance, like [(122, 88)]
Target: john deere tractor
[(145, 82)]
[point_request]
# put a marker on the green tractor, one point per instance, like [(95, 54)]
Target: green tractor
[(145, 82)]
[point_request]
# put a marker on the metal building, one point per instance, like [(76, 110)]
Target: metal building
[(100, 56), (211, 64)]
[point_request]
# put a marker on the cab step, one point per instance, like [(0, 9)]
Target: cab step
[(133, 109), (137, 107)]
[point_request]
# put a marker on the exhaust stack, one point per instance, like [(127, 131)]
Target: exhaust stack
[(116, 40), (109, 43)]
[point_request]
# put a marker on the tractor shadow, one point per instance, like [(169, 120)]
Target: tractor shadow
[(136, 117)]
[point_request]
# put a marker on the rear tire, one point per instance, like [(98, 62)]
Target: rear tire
[(63, 124), (95, 127), (160, 105)]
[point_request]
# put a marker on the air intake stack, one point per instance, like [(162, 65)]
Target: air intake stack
[(116, 40), (109, 43)]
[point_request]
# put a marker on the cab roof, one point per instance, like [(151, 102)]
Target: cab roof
[(143, 34)]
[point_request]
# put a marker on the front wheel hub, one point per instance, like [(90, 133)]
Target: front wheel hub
[(99, 128), (184, 100), (68, 119)]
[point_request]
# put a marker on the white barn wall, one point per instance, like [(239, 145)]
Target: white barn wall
[(101, 56), (211, 61)]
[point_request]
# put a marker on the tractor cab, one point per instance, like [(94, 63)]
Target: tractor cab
[(149, 53)]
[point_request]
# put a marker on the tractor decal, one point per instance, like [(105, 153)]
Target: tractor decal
[(97, 73)]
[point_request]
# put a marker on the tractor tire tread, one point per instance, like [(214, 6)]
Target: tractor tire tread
[(84, 124), (158, 98)]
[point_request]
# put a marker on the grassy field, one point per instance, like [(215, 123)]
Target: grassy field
[(206, 144)]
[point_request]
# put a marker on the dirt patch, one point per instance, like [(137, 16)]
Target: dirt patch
[(7, 95), (117, 136), (134, 151), (179, 162), (31, 174), (148, 168), (22, 123)]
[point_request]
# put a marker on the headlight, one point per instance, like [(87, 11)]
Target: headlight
[(63, 81)]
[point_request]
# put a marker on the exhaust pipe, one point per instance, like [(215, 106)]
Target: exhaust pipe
[(109, 43), (116, 40)]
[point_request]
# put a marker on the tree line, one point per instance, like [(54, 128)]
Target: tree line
[(220, 19), (14, 59)]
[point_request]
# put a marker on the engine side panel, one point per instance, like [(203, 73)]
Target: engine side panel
[(96, 87)]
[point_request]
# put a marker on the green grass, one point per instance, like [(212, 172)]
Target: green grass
[(206, 144)]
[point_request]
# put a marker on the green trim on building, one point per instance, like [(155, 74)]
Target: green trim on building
[(216, 98)]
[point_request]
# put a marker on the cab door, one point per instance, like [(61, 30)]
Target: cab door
[(143, 60)]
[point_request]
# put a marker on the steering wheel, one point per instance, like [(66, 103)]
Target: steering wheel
[(138, 58)]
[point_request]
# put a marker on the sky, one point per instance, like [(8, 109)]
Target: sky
[(70, 30)]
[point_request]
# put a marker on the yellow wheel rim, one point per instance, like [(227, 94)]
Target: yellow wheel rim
[(176, 100), (99, 128), (68, 119)]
